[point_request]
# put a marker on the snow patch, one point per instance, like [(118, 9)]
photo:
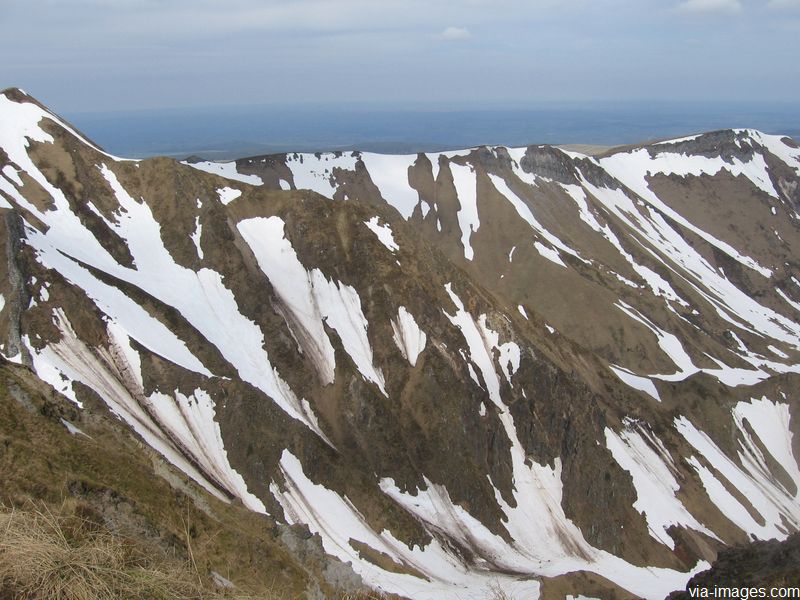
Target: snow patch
[(384, 234), (525, 213), (633, 168), (465, 182), (389, 173), (315, 171), (549, 253), (226, 170), (308, 299), (637, 382), (228, 195), (72, 429), (637, 450), (408, 337), (769, 499), (196, 235)]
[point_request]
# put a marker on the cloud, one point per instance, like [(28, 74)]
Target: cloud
[(784, 4), (451, 34), (711, 6)]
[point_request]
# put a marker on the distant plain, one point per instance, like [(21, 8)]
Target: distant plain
[(235, 132)]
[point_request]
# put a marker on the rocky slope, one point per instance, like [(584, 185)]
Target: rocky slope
[(763, 565), (528, 369)]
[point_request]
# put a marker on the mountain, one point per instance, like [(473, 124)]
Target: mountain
[(528, 371)]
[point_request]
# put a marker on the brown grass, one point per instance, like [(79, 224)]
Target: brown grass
[(61, 556)]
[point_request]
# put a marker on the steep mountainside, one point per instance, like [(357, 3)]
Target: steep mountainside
[(525, 369)]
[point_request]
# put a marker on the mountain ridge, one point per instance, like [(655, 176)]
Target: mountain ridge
[(260, 336)]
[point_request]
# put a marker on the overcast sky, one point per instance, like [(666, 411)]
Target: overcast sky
[(89, 55)]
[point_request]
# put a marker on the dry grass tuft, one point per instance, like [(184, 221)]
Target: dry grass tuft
[(48, 556)]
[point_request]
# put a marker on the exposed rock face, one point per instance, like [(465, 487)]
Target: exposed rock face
[(758, 565), (462, 371)]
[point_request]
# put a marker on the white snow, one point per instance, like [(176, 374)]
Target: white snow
[(672, 347), (341, 308), (384, 234), (226, 170), (473, 375), (191, 421), (572, 153), (516, 155), (578, 194), (776, 146), (408, 337), (434, 160), (389, 173), (114, 374), (637, 450), (521, 310), (203, 300), (228, 194), (633, 168), (73, 430), (200, 297), (769, 499), (688, 138), (19, 121), (525, 213), (309, 298), (13, 175), (666, 245), (537, 523), (314, 172), (621, 205), (143, 327), (770, 421), (285, 185), (290, 280), (196, 235), (542, 547), (637, 382), (789, 301), (182, 426), (549, 253), (338, 522), (777, 352), (465, 182)]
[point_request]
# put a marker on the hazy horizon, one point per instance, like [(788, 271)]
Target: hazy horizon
[(236, 132)]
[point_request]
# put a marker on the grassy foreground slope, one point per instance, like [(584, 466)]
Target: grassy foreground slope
[(87, 511)]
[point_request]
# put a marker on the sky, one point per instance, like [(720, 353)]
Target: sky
[(101, 55)]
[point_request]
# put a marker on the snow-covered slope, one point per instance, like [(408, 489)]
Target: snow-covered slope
[(495, 368)]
